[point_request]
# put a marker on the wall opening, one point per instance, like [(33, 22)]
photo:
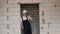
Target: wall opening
[(33, 10)]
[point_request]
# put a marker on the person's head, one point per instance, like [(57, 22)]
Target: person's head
[(24, 12)]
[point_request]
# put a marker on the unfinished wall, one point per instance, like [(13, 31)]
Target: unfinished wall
[(49, 16), (9, 17)]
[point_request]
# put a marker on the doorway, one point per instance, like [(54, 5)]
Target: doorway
[(33, 10)]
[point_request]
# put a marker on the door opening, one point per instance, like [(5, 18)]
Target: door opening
[(33, 10)]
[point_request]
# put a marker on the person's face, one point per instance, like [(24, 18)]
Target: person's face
[(24, 14)]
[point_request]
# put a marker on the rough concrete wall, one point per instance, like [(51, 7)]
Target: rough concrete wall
[(50, 17), (30, 1), (9, 17)]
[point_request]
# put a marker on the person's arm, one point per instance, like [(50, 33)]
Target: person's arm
[(29, 18), (21, 24)]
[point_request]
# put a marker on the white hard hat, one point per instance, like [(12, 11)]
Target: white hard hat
[(24, 11)]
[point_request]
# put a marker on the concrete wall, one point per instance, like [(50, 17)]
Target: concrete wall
[(9, 17), (49, 16)]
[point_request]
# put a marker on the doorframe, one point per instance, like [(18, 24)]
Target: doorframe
[(39, 12)]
